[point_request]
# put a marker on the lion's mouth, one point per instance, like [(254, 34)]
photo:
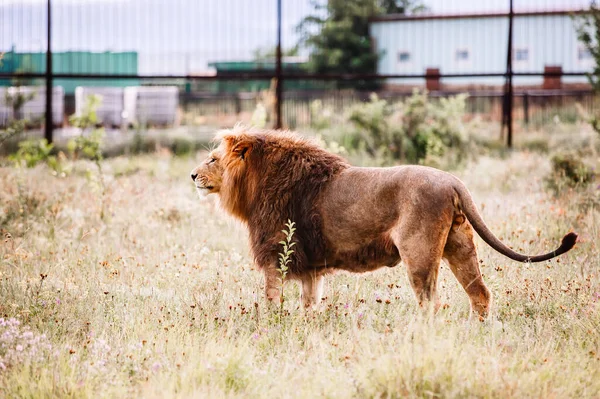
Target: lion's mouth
[(209, 188)]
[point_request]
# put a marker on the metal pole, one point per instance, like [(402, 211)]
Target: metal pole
[(48, 124), (279, 83), (526, 108), (509, 74)]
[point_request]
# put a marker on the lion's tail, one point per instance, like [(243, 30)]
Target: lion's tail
[(470, 210)]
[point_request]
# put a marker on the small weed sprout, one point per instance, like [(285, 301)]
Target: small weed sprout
[(90, 145), (287, 251)]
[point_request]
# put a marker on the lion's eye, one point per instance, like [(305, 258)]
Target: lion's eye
[(211, 160)]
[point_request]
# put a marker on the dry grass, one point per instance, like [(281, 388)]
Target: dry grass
[(162, 300)]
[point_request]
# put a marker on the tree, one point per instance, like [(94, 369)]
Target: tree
[(337, 35), (402, 7), (588, 33), (269, 54)]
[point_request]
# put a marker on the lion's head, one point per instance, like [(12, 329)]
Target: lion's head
[(230, 170), (208, 176), (262, 175)]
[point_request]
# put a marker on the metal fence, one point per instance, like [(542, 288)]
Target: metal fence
[(506, 54)]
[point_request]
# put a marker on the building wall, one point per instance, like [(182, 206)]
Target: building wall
[(125, 63), (547, 40)]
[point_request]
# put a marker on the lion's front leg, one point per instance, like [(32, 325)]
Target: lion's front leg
[(312, 289), (273, 284)]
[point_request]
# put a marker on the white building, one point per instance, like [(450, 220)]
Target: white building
[(477, 43)]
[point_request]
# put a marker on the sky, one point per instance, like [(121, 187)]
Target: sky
[(183, 36)]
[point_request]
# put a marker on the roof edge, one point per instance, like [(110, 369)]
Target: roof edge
[(424, 17)]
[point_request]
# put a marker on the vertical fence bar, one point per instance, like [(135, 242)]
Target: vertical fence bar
[(48, 116), (526, 108), (279, 82), (509, 77)]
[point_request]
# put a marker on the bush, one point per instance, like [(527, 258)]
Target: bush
[(32, 152), (416, 130), (182, 147), (568, 171)]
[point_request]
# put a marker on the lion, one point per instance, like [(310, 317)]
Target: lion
[(356, 219)]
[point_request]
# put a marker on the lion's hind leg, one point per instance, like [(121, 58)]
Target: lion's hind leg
[(420, 243), (461, 255)]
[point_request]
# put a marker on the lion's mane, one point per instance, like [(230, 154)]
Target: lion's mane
[(271, 177)]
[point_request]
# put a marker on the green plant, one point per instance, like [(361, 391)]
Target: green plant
[(568, 171), (285, 254), (320, 117), (338, 37), (90, 145), (13, 129), (587, 26), (182, 147), (416, 130), (32, 152), (88, 117), (16, 99)]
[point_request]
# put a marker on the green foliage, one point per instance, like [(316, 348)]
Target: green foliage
[(16, 99), (588, 32), (287, 251), (338, 35), (568, 171), (89, 146), (14, 129), (89, 117), (401, 7), (182, 147), (33, 152), (536, 145), (417, 130), (320, 118)]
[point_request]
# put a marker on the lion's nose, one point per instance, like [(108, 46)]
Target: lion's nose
[(194, 175)]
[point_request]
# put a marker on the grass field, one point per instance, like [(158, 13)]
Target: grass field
[(160, 298)]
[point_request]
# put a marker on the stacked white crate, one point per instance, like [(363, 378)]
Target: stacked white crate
[(109, 111), (35, 108), (5, 111), (152, 105)]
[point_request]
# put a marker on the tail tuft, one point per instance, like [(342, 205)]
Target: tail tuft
[(567, 242)]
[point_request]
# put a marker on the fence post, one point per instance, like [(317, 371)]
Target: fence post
[(526, 108), (48, 117), (279, 82), (508, 91)]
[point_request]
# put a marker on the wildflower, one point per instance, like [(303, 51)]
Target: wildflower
[(19, 344), (156, 367)]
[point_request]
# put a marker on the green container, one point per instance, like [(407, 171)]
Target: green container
[(76, 62)]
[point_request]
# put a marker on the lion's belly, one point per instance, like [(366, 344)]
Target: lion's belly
[(371, 256)]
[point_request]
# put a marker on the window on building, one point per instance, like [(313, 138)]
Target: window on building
[(403, 57), (521, 54), (462, 54)]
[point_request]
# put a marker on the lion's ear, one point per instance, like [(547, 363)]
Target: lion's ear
[(241, 148), (241, 145)]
